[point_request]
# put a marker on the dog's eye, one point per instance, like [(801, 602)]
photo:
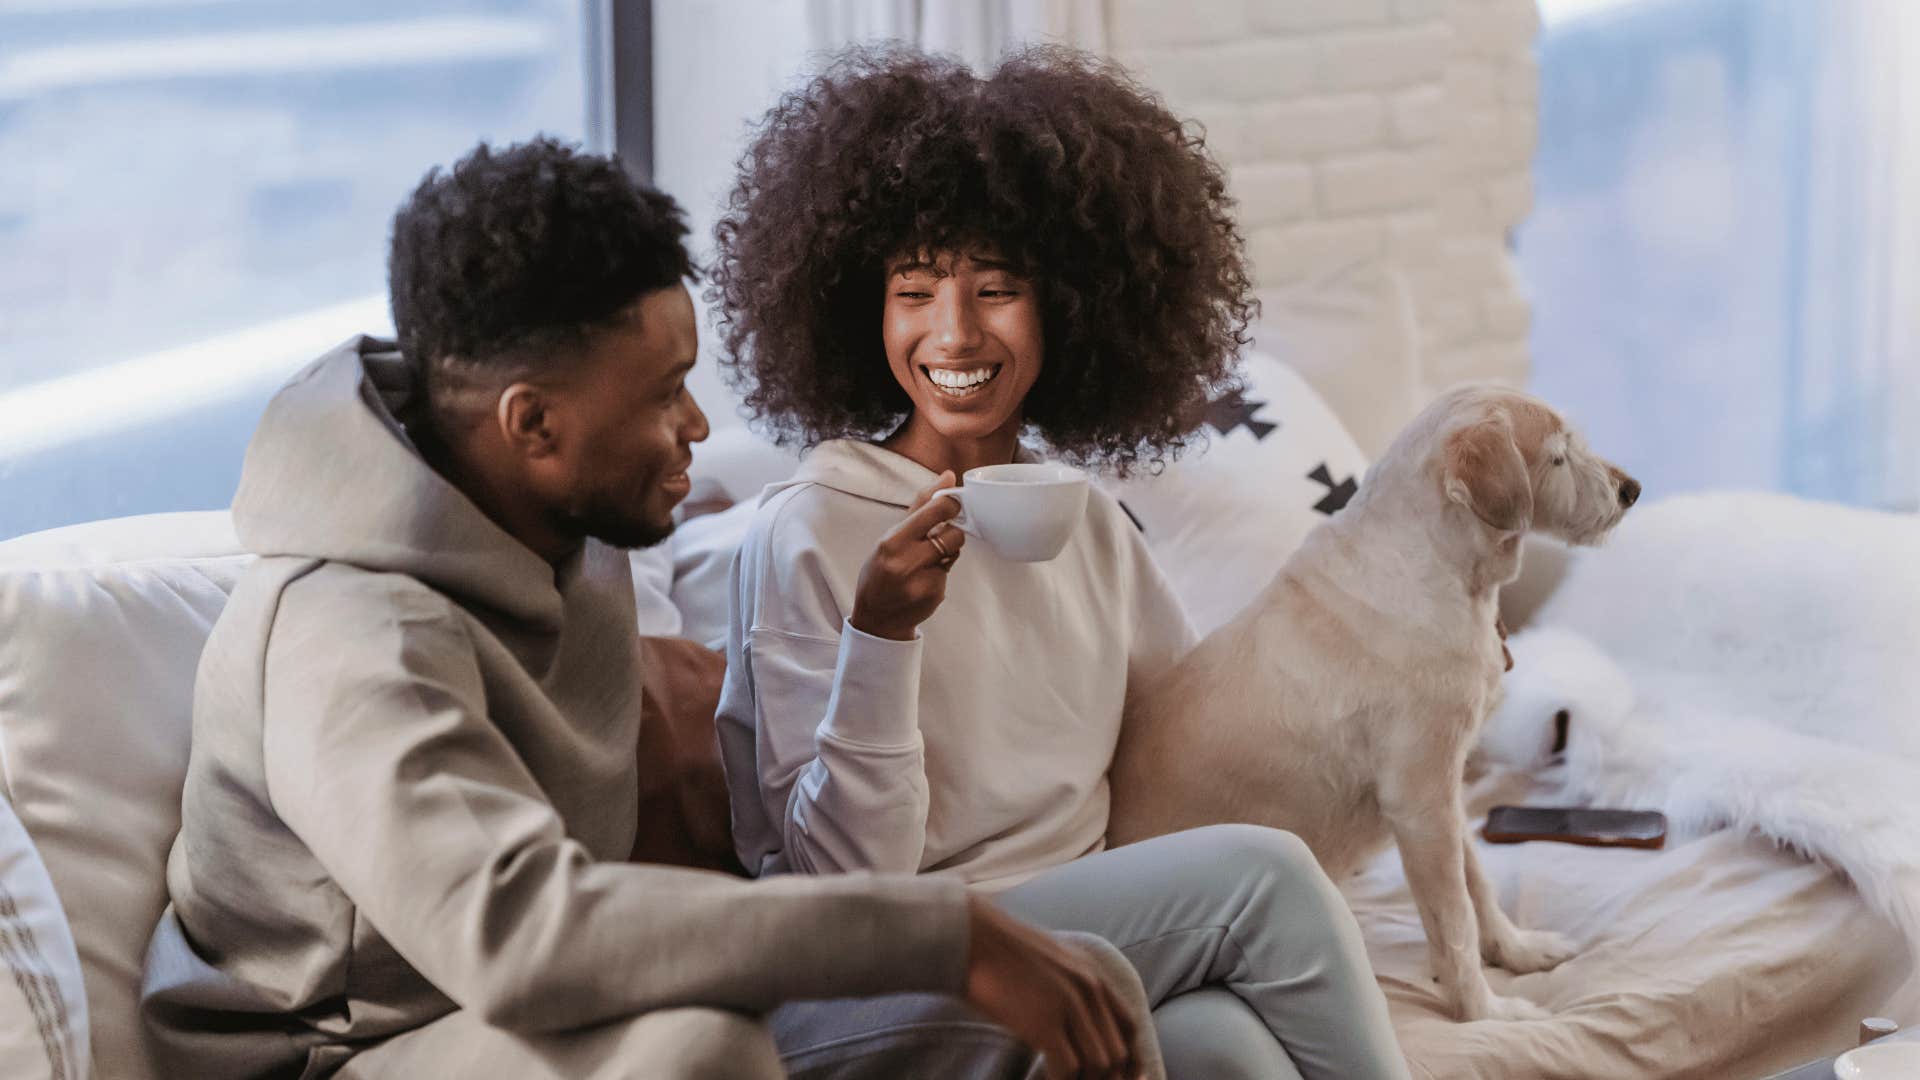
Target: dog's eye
[(1560, 721), (1560, 459)]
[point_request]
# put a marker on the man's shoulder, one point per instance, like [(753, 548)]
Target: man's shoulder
[(350, 604), (330, 583)]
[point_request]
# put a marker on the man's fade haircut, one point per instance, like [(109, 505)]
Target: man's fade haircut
[(509, 264), (1058, 163)]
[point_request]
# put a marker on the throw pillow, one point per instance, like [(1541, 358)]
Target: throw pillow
[(1223, 519)]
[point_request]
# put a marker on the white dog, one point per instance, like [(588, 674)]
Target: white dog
[(1342, 703)]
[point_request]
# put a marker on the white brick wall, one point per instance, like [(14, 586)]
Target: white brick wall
[(1367, 141)]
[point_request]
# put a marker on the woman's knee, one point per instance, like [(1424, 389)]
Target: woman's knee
[(1257, 846), (1275, 867)]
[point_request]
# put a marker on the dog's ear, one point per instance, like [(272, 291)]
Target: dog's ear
[(1486, 474)]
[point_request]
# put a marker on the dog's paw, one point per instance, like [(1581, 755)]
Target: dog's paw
[(1513, 1008), (1496, 1007), (1532, 950)]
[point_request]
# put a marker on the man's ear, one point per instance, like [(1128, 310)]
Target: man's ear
[(524, 413), (1486, 474)]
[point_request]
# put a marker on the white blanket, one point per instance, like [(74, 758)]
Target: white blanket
[(1745, 661)]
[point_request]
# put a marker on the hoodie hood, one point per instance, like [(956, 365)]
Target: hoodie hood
[(870, 472), (332, 474)]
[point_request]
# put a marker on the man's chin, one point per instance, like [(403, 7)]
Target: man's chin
[(623, 532), (636, 536)]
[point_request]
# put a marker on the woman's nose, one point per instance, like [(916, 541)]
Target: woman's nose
[(957, 330)]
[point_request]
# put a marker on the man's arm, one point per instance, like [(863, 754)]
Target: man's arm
[(381, 759)]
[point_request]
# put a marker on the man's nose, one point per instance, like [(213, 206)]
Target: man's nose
[(696, 429)]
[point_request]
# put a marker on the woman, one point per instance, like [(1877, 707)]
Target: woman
[(1044, 251)]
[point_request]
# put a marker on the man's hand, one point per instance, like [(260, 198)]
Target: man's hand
[(1050, 997), (905, 579)]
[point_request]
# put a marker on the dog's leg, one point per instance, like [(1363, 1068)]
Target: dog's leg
[(1422, 806), (1503, 943)]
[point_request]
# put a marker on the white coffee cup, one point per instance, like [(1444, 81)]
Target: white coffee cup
[(1025, 512), (1879, 1061)]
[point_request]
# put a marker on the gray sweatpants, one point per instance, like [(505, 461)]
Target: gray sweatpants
[(1251, 958), (892, 1037)]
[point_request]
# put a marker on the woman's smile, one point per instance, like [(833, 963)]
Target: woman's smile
[(961, 382)]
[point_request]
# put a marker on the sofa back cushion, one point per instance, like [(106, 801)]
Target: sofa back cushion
[(104, 628)]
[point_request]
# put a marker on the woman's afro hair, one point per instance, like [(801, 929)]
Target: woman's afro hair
[(1058, 163)]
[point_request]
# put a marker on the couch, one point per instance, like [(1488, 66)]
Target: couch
[(103, 624)]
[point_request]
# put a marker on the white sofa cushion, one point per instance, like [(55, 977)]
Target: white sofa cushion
[(105, 624), (128, 539), (1222, 520), (703, 551), (43, 1006)]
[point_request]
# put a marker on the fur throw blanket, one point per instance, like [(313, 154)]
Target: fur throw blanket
[(1744, 661)]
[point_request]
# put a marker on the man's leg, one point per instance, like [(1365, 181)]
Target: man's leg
[(681, 1044), (1243, 908)]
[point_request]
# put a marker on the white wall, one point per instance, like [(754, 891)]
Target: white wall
[(1380, 151)]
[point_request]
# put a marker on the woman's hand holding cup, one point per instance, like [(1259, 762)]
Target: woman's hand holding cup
[(905, 579)]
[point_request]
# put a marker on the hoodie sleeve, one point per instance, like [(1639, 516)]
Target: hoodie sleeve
[(819, 723), (380, 757)]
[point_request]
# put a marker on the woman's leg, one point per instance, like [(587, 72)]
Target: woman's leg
[(1240, 907), (1208, 1034)]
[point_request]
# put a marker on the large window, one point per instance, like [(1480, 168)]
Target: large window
[(1724, 253), (194, 201)]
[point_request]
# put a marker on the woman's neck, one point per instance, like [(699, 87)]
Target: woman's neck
[(919, 442)]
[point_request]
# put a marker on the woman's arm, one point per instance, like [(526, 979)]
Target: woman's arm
[(839, 767), (819, 717)]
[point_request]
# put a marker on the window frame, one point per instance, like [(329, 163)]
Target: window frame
[(619, 91)]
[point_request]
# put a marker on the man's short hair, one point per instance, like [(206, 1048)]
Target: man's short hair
[(510, 262)]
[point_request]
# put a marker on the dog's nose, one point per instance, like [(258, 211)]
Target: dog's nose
[(1629, 491)]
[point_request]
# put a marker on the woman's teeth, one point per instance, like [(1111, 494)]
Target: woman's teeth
[(961, 383)]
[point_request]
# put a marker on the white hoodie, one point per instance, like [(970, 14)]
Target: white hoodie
[(979, 749)]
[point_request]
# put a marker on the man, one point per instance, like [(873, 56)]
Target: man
[(414, 773)]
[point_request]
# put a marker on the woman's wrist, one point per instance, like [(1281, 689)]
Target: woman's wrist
[(893, 630)]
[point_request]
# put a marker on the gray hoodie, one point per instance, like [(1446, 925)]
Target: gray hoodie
[(413, 781)]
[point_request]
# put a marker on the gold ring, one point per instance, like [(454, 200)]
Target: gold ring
[(946, 554)]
